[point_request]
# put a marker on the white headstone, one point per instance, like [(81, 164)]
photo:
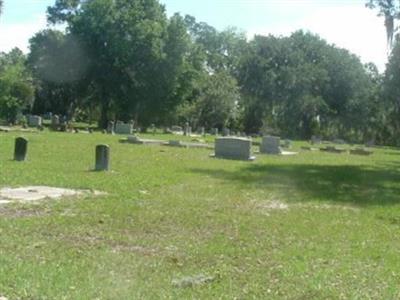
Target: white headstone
[(270, 145), (233, 148), (34, 121)]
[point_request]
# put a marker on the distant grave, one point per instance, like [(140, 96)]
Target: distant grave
[(270, 145), (361, 151), (123, 128), (34, 121), (133, 139), (233, 148)]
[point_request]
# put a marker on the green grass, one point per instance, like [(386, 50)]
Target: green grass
[(173, 212)]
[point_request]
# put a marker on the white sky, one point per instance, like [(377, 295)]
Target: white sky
[(346, 23)]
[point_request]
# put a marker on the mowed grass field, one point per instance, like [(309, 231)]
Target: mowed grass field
[(311, 226)]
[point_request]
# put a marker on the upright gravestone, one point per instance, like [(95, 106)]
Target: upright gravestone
[(202, 131), (55, 122), (233, 148), (186, 129), (270, 145), (21, 149), (110, 127), (123, 128), (226, 132), (102, 158), (34, 121), (215, 131)]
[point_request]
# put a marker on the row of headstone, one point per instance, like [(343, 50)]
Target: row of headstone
[(102, 159), (241, 148)]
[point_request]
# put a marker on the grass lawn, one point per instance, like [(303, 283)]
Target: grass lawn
[(311, 226)]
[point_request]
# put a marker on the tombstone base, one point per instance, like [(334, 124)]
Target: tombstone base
[(251, 158)]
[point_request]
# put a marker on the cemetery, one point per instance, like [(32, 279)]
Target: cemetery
[(146, 154), (121, 205)]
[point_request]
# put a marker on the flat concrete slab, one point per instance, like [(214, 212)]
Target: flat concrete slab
[(36, 193)]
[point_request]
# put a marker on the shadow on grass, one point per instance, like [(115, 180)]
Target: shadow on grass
[(355, 185)]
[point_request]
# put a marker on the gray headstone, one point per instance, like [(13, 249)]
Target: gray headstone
[(110, 127), (270, 145), (215, 131), (187, 130), (225, 132), (315, 140), (34, 121), (123, 128), (55, 122), (102, 158), (233, 148), (21, 149)]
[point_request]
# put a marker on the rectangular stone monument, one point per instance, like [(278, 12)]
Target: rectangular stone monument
[(110, 127), (270, 145), (233, 148), (34, 121), (123, 128), (55, 122), (102, 158), (21, 149)]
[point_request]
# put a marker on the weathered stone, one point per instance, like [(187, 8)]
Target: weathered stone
[(21, 149), (123, 128), (233, 148), (315, 140), (34, 121), (55, 122), (270, 145), (102, 158), (110, 127), (225, 132)]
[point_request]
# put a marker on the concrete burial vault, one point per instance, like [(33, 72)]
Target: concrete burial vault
[(36, 193)]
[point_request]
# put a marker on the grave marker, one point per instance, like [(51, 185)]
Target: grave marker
[(102, 158), (233, 148), (21, 149)]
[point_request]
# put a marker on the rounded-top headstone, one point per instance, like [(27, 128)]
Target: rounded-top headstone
[(21, 149), (102, 158)]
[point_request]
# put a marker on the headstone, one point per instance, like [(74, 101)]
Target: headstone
[(34, 121), (176, 128), (225, 132), (315, 140), (110, 127), (123, 128), (233, 148), (55, 122), (186, 131), (270, 145), (21, 149), (102, 158), (202, 131), (215, 131)]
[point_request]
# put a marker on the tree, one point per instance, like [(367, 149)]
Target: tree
[(16, 90), (301, 86), (59, 65), (390, 11), (136, 54), (1, 7)]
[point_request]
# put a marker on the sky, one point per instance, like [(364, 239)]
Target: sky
[(345, 23)]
